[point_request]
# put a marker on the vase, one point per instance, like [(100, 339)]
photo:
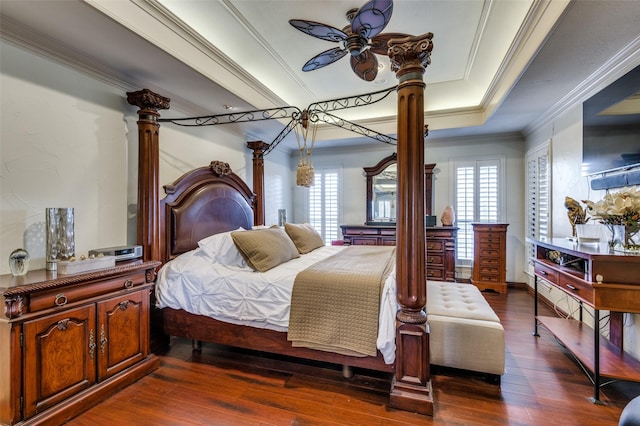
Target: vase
[(19, 262), (448, 216), (625, 238), (60, 236)]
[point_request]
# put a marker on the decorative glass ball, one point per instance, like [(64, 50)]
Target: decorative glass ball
[(19, 262)]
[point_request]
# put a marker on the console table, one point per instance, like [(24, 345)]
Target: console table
[(603, 280)]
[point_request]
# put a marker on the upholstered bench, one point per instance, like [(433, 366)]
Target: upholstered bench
[(465, 333)]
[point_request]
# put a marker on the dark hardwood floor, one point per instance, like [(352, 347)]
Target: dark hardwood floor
[(542, 386)]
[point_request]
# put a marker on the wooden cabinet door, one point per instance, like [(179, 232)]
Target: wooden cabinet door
[(60, 357), (123, 332)]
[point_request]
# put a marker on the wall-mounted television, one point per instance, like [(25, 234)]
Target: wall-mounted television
[(611, 127)]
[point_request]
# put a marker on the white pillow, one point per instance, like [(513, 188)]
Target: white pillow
[(222, 249)]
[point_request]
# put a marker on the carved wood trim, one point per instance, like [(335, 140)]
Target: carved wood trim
[(65, 280), (13, 306), (258, 148), (148, 224), (411, 388)]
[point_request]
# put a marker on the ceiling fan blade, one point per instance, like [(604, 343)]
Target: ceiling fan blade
[(372, 18), (323, 59), (316, 29), (379, 42), (365, 65)]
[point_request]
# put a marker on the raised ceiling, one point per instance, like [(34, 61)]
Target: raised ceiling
[(486, 74)]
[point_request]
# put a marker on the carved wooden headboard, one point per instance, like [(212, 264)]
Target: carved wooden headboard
[(203, 202)]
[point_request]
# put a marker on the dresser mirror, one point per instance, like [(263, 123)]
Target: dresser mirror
[(382, 188), (382, 191)]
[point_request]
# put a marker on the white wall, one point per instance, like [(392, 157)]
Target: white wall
[(443, 153), (64, 144), (70, 140)]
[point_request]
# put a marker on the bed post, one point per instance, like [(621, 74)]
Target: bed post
[(411, 388), (148, 222), (258, 148)]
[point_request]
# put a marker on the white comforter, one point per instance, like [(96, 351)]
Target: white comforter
[(195, 283)]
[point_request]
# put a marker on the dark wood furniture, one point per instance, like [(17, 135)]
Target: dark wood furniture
[(369, 235), (602, 280), (411, 387), (70, 341), (441, 253), (211, 200), (372, 175), (489, 256), (440, 245), (381, 179)]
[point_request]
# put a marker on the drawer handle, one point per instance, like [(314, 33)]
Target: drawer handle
[(543, 273), (92, 344), (571, 287), (103, 339), (128, 284), (60, 300)]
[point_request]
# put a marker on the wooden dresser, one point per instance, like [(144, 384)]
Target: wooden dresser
[(603, 280), (70, 341), (489, 256), (369, 235), (440, 245)]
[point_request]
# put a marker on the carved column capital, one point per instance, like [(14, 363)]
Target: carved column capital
[(148, 102), (258, 148), (410, 54)]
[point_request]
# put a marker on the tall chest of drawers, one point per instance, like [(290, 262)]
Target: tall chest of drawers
[(489, 256), (440, 250)]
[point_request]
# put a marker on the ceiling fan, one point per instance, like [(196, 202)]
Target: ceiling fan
[(361, 38)]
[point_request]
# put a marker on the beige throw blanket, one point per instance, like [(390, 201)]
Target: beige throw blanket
[(335, 303)]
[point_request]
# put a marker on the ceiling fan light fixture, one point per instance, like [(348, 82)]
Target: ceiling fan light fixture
[(359, 39)]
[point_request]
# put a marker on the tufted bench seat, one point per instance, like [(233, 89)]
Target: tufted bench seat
[(465, 333)]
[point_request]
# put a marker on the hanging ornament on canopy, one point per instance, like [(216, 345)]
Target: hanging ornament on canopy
[(305, 172)]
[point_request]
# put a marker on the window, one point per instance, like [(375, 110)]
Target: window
[(538, 181), (324, 203), (478, 192)]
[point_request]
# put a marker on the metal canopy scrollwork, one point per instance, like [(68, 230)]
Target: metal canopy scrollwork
[(317, 111), (236, 117)]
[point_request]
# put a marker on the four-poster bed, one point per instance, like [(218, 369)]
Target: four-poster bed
[(212, 200)]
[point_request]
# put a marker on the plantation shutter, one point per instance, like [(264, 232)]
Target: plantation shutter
[(324, 203), (538, 203), (478, 198)]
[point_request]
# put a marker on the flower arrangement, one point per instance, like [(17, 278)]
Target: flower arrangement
[(619, 209)]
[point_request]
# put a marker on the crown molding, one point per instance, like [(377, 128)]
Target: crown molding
[(539, 24)]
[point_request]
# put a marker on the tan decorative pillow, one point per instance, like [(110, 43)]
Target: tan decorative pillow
[(304, 236), (265, 248)]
